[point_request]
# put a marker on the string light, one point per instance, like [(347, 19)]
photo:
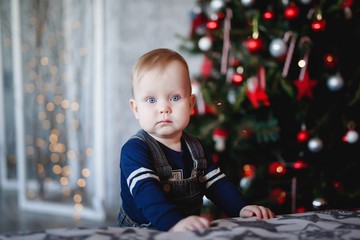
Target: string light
[(52, 117), (81, 182), (86, 172), (64, 181), (66, 171)]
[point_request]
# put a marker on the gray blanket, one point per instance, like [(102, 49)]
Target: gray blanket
[(331, 224)]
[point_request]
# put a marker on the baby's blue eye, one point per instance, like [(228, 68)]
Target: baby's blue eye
[(151, 100), (175, 98)]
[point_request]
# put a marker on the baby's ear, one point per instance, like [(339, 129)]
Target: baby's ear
[(192, 101), (134, 108)]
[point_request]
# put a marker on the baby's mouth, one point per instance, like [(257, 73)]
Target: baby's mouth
[(165, 121)]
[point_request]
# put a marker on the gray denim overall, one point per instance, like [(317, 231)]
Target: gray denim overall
[(187, 194)]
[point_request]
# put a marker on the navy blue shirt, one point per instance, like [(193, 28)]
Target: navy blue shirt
[(143, 198)]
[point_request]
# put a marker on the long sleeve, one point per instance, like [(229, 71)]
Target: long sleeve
[(142, 194), (221, 191), (225, 196)]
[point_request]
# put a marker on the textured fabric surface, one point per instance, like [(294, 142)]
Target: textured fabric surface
[(332, 224)]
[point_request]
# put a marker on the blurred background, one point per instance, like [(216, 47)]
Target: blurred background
[(279, 99), (65, 89)]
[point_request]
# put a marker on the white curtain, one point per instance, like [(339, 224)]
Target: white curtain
[(60, 65)]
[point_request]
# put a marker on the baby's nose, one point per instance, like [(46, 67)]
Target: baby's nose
[(165, 109)]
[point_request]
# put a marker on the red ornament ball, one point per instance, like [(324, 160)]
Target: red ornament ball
[(302, 136), (338, 186), (268, 15), (346, 4), (215, 158), (234, 62), (330, 61), (212, 25), (277, 168), (291, 12), (220, 15), (300, 164), (301, 210), (254, 45), (318, 25), (206, 68), (278, 195), (198, 22), (249, 170), (237, 79)]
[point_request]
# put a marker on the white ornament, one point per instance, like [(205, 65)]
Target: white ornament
[(335, 82), (315, 144), (251, 84), (217, 5), (219, 137), (277, 47), (352, 136), (285, 2), (219, 143), (231, 96), (305, 1), (319, 203), (205, 43), (200, 103), (245, 183), (247, 3)]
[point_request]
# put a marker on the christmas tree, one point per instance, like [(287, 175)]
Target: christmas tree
[(278, 98)]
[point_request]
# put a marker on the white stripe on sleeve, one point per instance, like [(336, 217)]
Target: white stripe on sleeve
[(216, 174), (212, 174), (208, 184), (139, 175)]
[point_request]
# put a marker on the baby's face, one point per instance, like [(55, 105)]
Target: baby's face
[(162, 100)]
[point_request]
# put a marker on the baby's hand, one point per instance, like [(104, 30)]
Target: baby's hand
[(191, 223), (259, 211)]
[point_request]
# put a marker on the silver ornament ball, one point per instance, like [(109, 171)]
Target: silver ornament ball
[(315, 144), (247, 3), (335, 82), (205, 43), (217, 5), (231, 97), (319, 203), (277, 47), (245, 183), (305, 1), (352, 136)]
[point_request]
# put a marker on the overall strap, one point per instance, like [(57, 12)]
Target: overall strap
[(161, 164), (196, 151)]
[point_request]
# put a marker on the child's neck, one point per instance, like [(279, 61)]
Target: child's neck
[(173, 143)]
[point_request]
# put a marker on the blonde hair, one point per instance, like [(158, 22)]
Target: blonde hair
[(157, 58)]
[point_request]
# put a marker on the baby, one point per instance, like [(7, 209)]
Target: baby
[(165, 172)]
